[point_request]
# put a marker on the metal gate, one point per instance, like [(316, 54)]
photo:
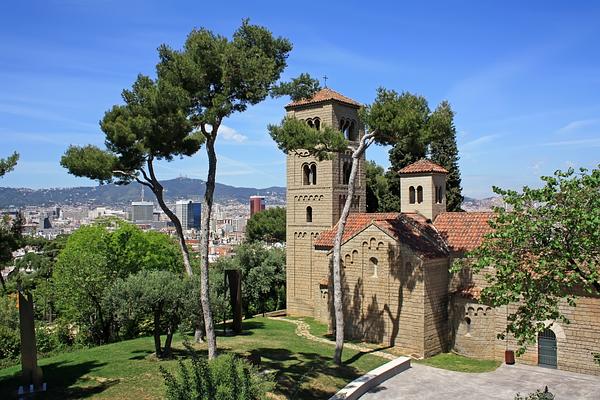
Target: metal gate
[(547, 349)]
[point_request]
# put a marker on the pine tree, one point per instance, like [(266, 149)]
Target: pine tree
[(443, 151)]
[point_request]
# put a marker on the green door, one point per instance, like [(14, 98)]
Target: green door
[(547, 349)]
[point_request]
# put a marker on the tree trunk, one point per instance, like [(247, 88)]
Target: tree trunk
[(338, 302), (157, 333), (168, 341), (157, 189), (204, 240)]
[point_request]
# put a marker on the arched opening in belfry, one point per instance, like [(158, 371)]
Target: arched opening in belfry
[(309, 215), (419, 194), (306, 174), (411, 195), (313, 173)]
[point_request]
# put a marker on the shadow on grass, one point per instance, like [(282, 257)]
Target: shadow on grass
[(362, 353), (61, 379), (303, 375)]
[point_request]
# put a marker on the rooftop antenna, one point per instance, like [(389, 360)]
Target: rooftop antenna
[(325, 80)]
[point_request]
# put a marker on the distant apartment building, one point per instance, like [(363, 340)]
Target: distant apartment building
[(189, 213), (142, 212), (257, 204)]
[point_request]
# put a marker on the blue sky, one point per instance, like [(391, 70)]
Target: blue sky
[(522, 77)]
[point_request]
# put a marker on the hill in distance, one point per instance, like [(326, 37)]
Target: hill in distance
[(122, 195)]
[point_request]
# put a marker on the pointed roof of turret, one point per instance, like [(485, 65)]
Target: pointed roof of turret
[(423, 166), (324, 95)]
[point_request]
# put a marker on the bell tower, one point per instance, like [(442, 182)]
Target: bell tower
[(316, 193)]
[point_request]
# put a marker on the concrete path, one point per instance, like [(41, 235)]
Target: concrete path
[(424, 383)]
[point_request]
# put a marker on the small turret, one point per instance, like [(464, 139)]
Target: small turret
[(423, 188)]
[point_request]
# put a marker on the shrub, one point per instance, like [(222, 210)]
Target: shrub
[(225, 378), (10, 343), (538, 395), (46, 339)]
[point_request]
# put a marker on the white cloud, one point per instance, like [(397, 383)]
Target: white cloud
[(578, 142), (480, 140), (231, 135), (579, 124)]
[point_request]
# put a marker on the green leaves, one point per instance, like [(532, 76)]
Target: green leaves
[(545, 250), (302, 87), (267, 226), (90, 162), (8, 164), (295, 136)]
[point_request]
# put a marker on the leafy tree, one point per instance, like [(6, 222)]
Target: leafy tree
[(158, 295), (93, 259), (545, 249), (421, 133), (377, 187), (221, 77), (443, 151), (8, 164), (152, 125), (267, 226)]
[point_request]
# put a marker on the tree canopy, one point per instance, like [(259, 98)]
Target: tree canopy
[(267, 226), (544, 251), (8, 164)]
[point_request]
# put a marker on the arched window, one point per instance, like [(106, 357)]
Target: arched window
[(439, 196), (309, 214), (317, 123), (346, 169), (468, 324), (411, 195), (419, 194), (348, 129), (373, 262), (313, 172), (306, 178), (310, 123)]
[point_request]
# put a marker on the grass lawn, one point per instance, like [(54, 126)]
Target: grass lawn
[(454, 362), (124, 370)]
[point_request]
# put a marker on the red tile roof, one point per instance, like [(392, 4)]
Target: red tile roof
[(409, 229), (421, 166), (463, 231), (322, 95), (472, 292)]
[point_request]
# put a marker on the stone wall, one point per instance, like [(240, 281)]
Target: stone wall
[(436, 306)]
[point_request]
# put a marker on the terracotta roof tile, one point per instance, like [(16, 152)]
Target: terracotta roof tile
[(463, 231), (322, 95), (472, 292), (409, 229), (421, 166)]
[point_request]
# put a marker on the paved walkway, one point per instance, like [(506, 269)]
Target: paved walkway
[(427, 383), (303, 330)]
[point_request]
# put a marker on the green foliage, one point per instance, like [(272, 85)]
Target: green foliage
[(405, 121), (545, 248), (267, 226), (444, 151), (295, 136), (377, 187), (152, 124), (224, 76), (302, 87), (93, 258), (225, 378), (10, 343), (156, 295), (8, 164)]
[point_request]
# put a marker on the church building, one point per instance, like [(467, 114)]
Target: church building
[(398, 290)]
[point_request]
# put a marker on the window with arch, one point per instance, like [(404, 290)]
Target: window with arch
[(439, 197), (348, 128), (419, 194), (309, 214), (309, 174), (468, 325), (314, 123), (411, 195), (346, 169), (373, 264)]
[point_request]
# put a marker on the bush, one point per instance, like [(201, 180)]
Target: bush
[(46, 339), (538, 395), (10, 343), (224, 378)]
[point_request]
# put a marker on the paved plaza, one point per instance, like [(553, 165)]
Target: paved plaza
[(422, 382)]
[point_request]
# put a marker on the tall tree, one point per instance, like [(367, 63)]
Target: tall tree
[(423, 134), (377, 186), (385, 119), (444, 151), (8, 164), (152, 125), (9, 232), (544, 250), (221, 76)]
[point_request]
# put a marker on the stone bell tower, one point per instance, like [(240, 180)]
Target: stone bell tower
[(316, 192)]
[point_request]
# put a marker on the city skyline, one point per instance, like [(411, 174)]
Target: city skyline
[(524, 86)]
